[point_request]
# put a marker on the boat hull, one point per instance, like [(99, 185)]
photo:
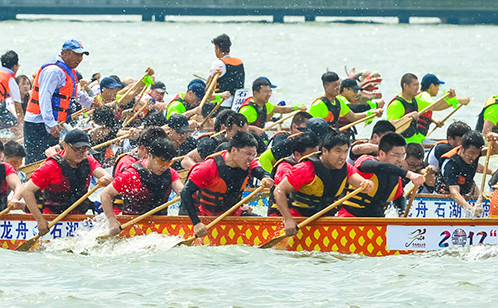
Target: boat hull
[(364, 236)]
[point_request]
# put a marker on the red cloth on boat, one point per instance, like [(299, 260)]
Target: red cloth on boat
[(304, 173), (4, 186), (344, 213), (50, 172)]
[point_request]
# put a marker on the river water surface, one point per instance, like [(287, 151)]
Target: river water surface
[(146, 271)]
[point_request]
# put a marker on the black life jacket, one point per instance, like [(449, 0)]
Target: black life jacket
[(74, 184), (480, 120), (226, 192), (466, 173), (155, 191), (334, 111), (132, 154), (3, 194), (409, 107), (272, 205), (262, 112), (325, 188), (234, 77), (374, 203)]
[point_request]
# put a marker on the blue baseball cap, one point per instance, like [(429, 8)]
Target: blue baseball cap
[(109, 83), (429, 79), (75, 46), (199, 88), (266, 79)]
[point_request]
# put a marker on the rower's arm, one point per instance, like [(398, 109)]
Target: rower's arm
[(357, 180), (256, 129), (104, 177), (106, 199), (177, 187), (459, 199), (16, 185), (29, 197), (191, 159), (188, 201), (281, 191), (364, 148)]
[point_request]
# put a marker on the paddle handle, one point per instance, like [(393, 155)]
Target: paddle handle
[(135, 115), (428, 108), (357, 122), (444, 120), (218, 133), (133, 87), (200, 77), (412, 198), (9, 207), (281, 120), (210, 89), (149, 213), (103, 144), (333, 205), (484, 172), (211, 113), (233, 208), (404, 123), (178, 158)]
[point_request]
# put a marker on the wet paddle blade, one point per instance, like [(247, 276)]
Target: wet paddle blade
[(187, 242), (273, 242), (28, 244)]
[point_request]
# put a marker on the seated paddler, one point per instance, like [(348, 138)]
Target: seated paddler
[(64, 178), (317, 181), (384, 172), (217, 184), (145, 185)]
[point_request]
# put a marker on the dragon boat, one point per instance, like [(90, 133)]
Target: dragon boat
[(364, 236)]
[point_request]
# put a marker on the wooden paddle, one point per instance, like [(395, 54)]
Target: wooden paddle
[(29, 243), (210, 89), (444, 120), (484, 173), (128, 121), (210, 114), (343, 128), (281, 120), (218, 133), (128, 96), (412, 193), (137, 219), (200, 77), (403, 123), (103, 144), (140, 97), (7, 209), (315, 216), (189, 241)]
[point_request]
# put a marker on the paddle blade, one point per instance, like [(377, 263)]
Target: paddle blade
[(273, 242), (187, 242), (403, 124), (28, 244)]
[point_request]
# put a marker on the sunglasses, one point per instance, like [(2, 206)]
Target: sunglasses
[(162, 162)]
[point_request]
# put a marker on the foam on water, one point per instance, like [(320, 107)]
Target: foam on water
[(86, 242)]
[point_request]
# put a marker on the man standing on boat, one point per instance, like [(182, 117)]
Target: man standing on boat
[(459, 166), (410, 102), (145, 185), (330, 108), (257, 108), (317, 181), (232, 69), (54, 91), (64, 178), (384, 172), (216, 184)]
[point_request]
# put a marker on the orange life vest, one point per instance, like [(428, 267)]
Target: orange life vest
[(5, 75), (62, 98)]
